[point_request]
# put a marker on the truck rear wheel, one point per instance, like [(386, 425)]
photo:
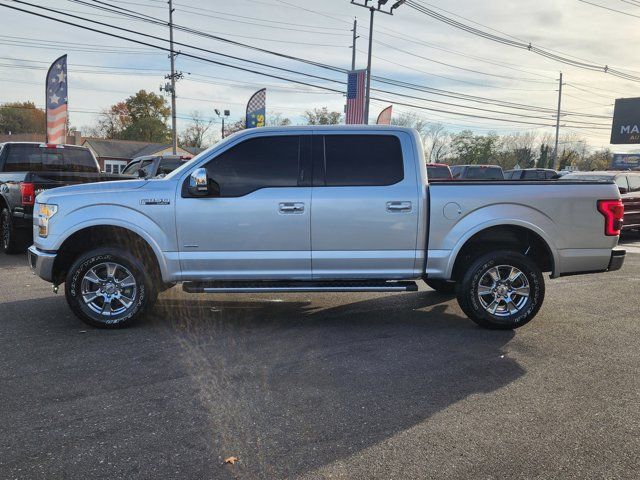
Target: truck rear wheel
[(501, 290), (109, 288)]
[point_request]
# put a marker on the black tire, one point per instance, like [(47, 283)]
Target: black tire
[(141, 296), (11, 240), (501, 307), (442, 286)]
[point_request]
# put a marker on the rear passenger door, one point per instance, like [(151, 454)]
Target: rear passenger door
[(364, 217)]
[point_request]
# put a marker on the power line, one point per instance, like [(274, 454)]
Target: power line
[(521, 45)]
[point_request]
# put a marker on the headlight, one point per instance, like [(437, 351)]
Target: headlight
[(45, 212)]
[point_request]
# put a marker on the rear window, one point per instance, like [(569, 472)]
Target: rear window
[(363, 160), (438, 172), (23, 158), (484, 173)]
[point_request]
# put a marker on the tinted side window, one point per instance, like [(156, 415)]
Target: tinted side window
[(168, 166), (363, 160), (530, 175), (456, 171), (256, 163), (634, 183)]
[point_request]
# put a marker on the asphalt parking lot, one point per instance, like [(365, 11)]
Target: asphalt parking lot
[(322, 386)]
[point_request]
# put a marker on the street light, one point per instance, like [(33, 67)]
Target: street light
[(225, 114), (372, 10)]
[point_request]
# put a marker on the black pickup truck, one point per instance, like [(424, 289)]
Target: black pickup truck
[(27, 168)]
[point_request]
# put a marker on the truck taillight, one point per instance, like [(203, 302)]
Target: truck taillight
[(613, 212), (28, 193)]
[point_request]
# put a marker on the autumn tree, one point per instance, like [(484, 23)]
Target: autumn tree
[(21, 117), (141, 117)]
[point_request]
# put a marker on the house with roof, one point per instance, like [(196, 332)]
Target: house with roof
[(114, 155)]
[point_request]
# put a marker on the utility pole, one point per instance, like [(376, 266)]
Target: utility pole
[(368, 89), (353, 47), (555, 151), (174, 134), (372, 11)]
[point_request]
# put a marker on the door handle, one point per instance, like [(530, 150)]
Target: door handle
[(396, 207), (291, 207)]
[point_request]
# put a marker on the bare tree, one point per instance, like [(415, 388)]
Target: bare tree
[(197, 134), (437, 142), (277, 119), (322, 116)]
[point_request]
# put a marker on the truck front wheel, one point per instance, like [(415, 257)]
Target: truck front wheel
[(501, 290), (109, 288)]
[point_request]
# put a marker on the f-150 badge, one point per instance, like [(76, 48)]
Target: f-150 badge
[(155, 201)]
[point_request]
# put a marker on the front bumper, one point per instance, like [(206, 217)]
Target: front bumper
[(617, 260), (41, 263)]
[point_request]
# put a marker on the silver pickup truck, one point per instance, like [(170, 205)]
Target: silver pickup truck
[(320, 209)]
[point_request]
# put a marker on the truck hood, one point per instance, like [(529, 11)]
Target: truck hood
[(120, 186)]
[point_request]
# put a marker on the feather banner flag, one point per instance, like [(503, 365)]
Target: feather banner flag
[(57, 100), (385, 116), (257, 109)]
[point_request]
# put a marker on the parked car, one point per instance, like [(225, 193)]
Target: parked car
[(531, 174), (321, 209), (28, 168), (629, 186), (438, 171), (151, 166), (477, 172)]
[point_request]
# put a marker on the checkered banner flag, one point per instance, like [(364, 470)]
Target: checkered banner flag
[(257, 109)]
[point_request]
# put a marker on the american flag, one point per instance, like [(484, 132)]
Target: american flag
[(355, 97), (57, 114)]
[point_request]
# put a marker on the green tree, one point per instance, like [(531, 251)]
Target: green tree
[(474, 149), (322, 116), (148, 113), (22, 117), (543, 159)]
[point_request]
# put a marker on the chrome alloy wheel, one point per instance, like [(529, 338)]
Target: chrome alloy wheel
[(503, 290), (108, 288)]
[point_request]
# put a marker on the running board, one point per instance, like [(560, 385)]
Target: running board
[(299, 286)]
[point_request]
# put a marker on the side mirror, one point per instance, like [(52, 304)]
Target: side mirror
[(199, 183), (623, 190), (142, 174)]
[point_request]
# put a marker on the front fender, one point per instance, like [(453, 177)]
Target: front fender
[(161, 242), (500, 215)]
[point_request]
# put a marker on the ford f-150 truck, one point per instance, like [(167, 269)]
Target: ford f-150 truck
[(27, 168), (321, 209)]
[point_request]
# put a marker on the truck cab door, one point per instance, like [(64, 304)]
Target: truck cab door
[(257, 227), (364, 218)]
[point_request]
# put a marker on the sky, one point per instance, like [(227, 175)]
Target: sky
[(408, 47)]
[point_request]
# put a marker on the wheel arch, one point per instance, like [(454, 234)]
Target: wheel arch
[(86, 237), (520, 236)]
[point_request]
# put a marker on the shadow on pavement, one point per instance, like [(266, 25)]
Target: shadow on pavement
[(289, 387)]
